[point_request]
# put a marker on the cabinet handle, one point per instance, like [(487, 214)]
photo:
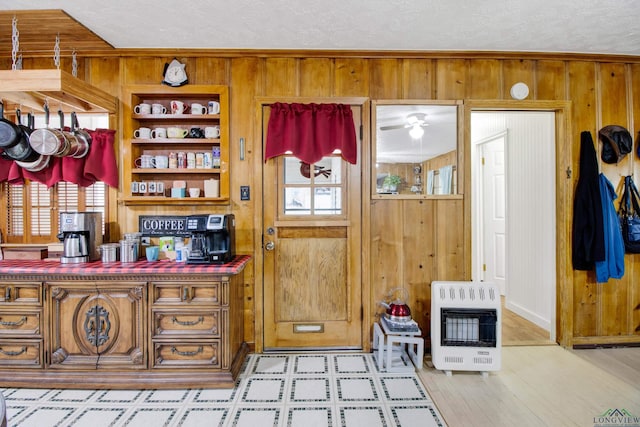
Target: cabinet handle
[(7, 294), (13, 353), (185, 294), (174, 319), (18, 323), (186, 353)]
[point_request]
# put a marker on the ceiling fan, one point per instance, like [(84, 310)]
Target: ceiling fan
[(414, 120)]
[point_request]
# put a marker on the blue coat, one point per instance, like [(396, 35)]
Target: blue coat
[(613, 264)]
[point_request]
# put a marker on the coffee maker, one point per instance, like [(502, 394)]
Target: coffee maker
[(81, 236), (212, 238)]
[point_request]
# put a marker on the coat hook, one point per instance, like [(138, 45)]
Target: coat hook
[(569, 172)]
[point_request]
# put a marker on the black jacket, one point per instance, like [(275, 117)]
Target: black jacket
[(588, 227)]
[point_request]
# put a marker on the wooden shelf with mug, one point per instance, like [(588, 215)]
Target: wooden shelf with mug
[(148, 108)]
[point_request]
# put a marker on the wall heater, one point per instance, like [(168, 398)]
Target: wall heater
[(466, 323)]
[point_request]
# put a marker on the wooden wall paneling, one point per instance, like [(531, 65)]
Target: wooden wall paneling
[(550, 80), (582, 91), (632, 262), (386, 248), (245, 78), (418, 258), (351, 77), (417, 79), (209, 71), (449, 231), (451, 78), (281, 77), (143, 70), (316, 77), (518, 70), (386, 79), (613, 295), (485, 79)]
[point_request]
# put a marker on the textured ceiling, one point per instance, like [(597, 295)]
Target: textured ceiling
[(582, 26)]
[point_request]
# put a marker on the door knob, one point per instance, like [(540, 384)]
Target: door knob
[(270, 246)]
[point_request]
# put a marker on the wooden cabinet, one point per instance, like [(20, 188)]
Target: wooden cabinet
[(97, 324), (156, 178), (21, 324)]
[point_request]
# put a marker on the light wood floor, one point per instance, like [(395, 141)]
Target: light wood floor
[(540, 386), (517, 330)]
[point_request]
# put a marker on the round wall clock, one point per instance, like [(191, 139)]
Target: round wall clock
[(175, 74)]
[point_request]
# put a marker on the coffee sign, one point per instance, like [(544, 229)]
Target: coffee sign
[(154, 225)]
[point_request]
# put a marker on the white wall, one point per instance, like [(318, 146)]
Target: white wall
[(530, 195)]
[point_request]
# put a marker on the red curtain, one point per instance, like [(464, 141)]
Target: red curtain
[(311, 131), (98, 165)]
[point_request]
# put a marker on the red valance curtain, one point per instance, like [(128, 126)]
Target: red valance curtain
[(311, 131), (98, 165)]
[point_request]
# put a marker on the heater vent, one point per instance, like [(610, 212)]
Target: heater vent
[(454, 359), (482, 360)]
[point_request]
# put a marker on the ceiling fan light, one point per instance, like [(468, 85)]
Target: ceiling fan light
[(416, 131)]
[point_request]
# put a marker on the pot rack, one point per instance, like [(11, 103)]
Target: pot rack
[(31, 89)]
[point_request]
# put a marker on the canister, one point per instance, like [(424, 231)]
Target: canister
[(109, 252), (128, 251)]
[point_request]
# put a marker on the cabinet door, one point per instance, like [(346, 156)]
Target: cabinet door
[(21, 293), (97, 324), (189, 293)]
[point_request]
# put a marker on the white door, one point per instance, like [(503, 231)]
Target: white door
[(494, 211)]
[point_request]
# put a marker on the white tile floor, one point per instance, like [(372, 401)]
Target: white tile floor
[(273, 390)]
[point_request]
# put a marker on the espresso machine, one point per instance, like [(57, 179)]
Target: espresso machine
[(212, 239), (81, 236)]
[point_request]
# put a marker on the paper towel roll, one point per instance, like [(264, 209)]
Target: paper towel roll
[(211, 188)]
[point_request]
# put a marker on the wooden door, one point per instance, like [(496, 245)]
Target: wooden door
[(311, 252)]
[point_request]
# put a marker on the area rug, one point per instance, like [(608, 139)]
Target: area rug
[(311, 389)]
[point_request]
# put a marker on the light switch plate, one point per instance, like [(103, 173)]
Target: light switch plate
[(244, 192)]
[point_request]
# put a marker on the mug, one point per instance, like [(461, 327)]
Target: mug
[(142, 133), (175, 132), (152, 253), (158, 109), (194, 192), (213, 107), (198, 109), (177, 107), (212, 132), (159, 133), (142, 109), (151, 187), (196, 133), (145, 161), (161, 161), (143, 188)]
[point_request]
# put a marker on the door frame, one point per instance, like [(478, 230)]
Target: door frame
[(564, 196), (365, 285)]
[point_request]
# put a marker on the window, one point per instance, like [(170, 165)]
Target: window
[(314, 189), (33, 210)]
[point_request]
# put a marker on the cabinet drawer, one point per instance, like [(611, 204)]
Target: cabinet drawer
[(20, 323), (186, 293), (21, 353), (186, 355), (186, 323), (21, 293)]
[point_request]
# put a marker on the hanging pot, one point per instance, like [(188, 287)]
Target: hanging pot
[(10, 133), (41, 162), (82, 136), (47, 141), (21, 150)]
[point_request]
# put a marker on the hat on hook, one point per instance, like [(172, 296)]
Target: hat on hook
[(616, 143)]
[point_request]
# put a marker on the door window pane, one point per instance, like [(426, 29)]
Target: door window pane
[(297, 201), (328, 201)]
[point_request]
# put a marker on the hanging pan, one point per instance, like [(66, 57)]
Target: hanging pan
[(82, 136), (10, 133), (21, 150), (47, 141)]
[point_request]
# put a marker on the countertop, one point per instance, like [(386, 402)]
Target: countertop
[(51, 267)]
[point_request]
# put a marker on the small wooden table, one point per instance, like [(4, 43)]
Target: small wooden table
[(394, 349)]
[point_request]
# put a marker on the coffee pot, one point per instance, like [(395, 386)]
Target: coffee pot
[(75, 245)]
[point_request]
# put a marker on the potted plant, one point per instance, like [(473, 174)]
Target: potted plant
[(391, 182)]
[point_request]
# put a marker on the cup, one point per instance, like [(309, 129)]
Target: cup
[(176, 132), (212, 131), (198, 109), (194, 192), (142, 108), (142, 133), (143, 188), (213, 107), (161, 161), (196, 133), (146, 161), (158, 109), (151, 187), (178, 107), (152, 253), (159, 133)]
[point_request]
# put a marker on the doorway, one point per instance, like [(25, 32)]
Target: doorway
[(513, 197), (312, 286)]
